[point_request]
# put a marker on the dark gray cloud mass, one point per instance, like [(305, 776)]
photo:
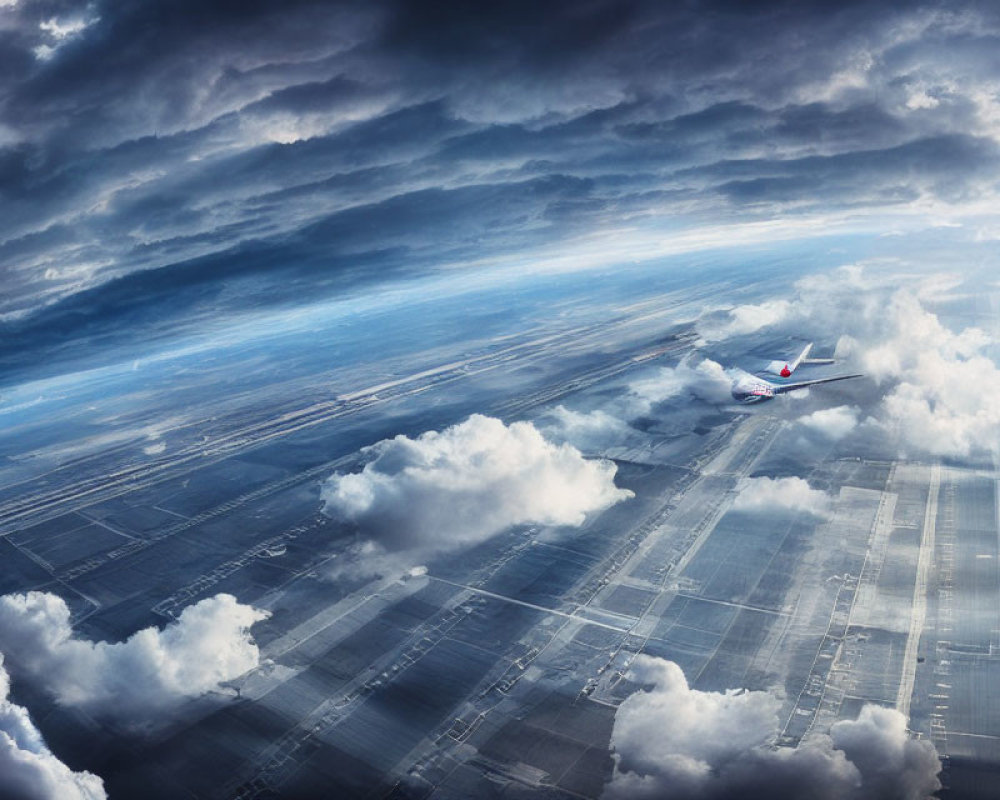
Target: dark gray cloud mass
[(150, 151)]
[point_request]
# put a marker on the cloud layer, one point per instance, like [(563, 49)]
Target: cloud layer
[(672, 742), (137, 680), (462, 485), (28, 769), (152, 153)]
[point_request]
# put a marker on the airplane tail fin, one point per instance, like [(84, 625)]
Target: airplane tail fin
[(786, 368)]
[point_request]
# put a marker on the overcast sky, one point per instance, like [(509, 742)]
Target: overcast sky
[(163, 158)]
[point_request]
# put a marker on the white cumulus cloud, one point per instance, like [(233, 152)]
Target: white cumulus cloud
[(707, 380), (134, 681), (28, 769), (943, 391), (892, 765), (769, 494), (834, 423), (672, 742), (462, 485)]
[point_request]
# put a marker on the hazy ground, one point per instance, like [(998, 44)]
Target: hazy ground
[(447, 640)]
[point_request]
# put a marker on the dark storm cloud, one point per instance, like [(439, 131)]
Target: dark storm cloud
[(947, 165), (346, 141), (419, 230)]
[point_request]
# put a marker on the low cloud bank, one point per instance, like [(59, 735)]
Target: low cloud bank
[(137, 680), (833, 423), (28, 769), (707, 380), (591, 430), (464, 484), (672, 742), (791, 494)]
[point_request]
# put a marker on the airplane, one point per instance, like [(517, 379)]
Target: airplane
[(749, 388)]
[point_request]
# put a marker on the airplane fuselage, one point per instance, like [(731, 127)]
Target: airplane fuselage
[(752, 391)]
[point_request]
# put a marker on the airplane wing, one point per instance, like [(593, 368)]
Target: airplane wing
[(781, 388)]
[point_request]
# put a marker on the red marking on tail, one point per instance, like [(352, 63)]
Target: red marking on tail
[(785, 371)]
